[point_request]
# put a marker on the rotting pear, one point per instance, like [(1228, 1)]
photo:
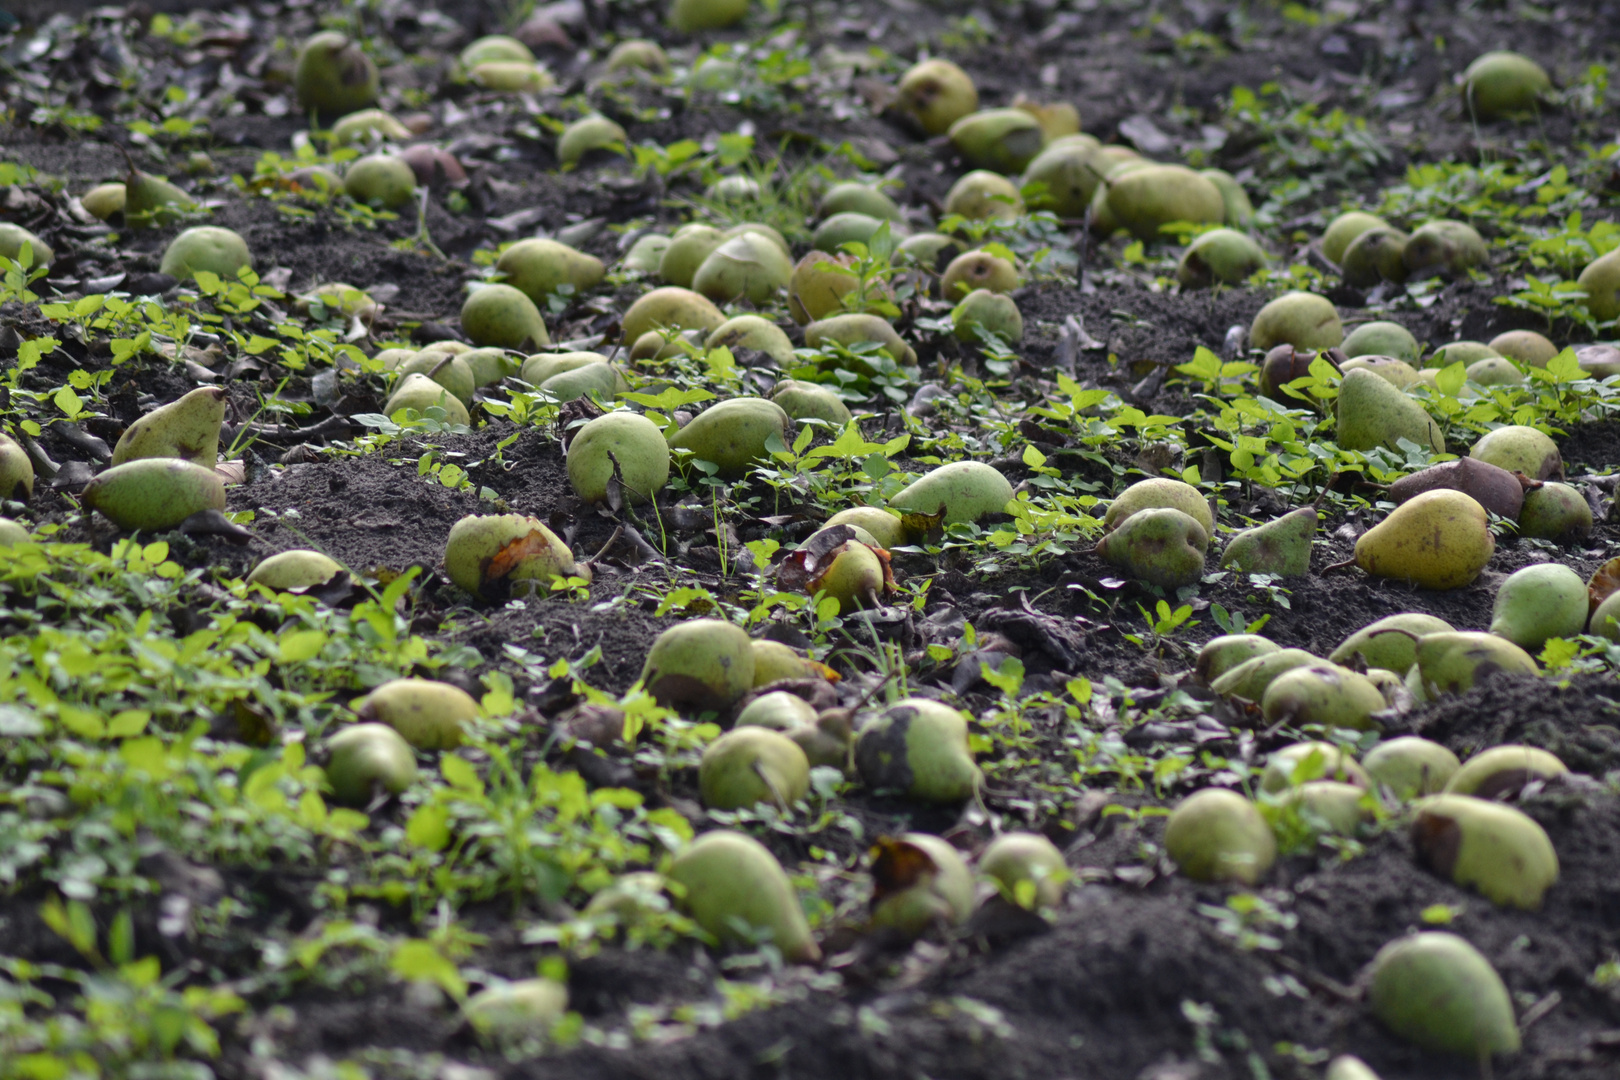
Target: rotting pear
[(299, 568), (513, 549), (1301, 319), (982, 195), (367, 758), (964, 491), (1005, 140), (671, 307), (1282, 365), (334, 75), (1411, 766), (978, 270), (1342, 230), (154, 494), (1389, 643), (1498, 850), (206, 248), (502, 316), (993, 312), (1248, 680), (1547, 600), (1492, 486), (1219, 257), (427, 714), (1324, 694), (1452, 663), (1147, 199), (1281, 547), (1503, 771), (919, 748), (1027, 868), (1518, 448), (701, 665), (1159, 492), (751, 765), (1221, 654), (1381, 339), (1555, 512), (920, 881), (1437, 991), (1437, 540), (186, 428), (1501, 82), (419, 393), (886, 527), (538, 267), (733, 433), (1372, 412), (1302, 762), (1444, 247), (1163, 547), (589, 134), (733, 887), (1217, 835), (622, 448)]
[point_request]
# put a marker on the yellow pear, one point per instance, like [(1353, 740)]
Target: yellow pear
[(1437, 540)]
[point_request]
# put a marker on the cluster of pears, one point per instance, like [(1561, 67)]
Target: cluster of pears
[(162, 468), (1368, 250)]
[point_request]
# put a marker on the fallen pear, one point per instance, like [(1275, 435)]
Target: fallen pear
[(687, 249), (1221, 654), (499, 315), (448, 370), (854, 197), (1606, 617), (829, 741), (1600, 281), (1322, 694), (367, 126), (630, 898), (13, 533), (755, 333), (811, 401), (964, 491), (489, 366), (1518, 448), (513, 551), (1330, 806), (334, 75), (300, 568), (1494, 371), (514, 1011), (1302, 762), (920, 881), (1503, 771), (1058, 120), (1526, 346), (1499, 83), (749, 266), (104, 201), (778, 710), (1163, 547), (1381, 339), (622, 448), (982, 195), (418, 393), (1005, 140), (1147, 199), (206, 248), (1492, 486), (978, 270), (1343, 230), (1436, 540), (588, 135), (1389, 643), (647, 253), (1069, 174), (1376, 256), (365, 759), (154, 494), (1372, 412), (1346, 1067), (990, 312), (702, 665), (1219, 257), (1410, 767), (734, 433), (671, 307), (751, 765), (538, 267), (691, 16), (885, 527), (1453, 662), (1248, 680), (1398, 373), (919, 748), (427, 714), (1100, 216), (935, 94), (847, 227), (1444, 247), (733, 887), (1282, 365), (1301, 319), (1027, 869), (1281, 547), (855, 328), (1555, 511), (494, 47), (818, 285), (1239, 209), (1498, 850), (1436, 991), (1157, 493), (150, 200), (187, 428), (1217, 835), (16, 471), (1547, 600), (926, 250), (511, 76)]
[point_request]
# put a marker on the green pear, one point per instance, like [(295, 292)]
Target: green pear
[(338, 298), (1555, 512), (843, 228), (1342, 230), (1303, 320), (589, 134), (1398, 373), (884, 526), (513, 1011), (1330, 806), (640, 55), (1496, 849), (702, 665), (714, 75), (1499, 83), (1375, 256), (777, 710), (1410, 766), (16, 471), (1389, 643), (1216, 835), (537, 267), (489, 366), (1544, 601), (449, 371), (1436, 991), (961, 490), (1601, 283), (1373, 412), (935, 94), (367, 125), (1159, 492), (1459, 352), (334, 75), (542, 366), (1322, 694), (1027, 869), (1239, 210), (751, 765), (687, 249), (1526, 346), (511, 548), (154, 494), (300, 568), (982, 195), (206, 248), (925, 249), (502, 316), (104, 201), (1281, 547), (920, 748), (511, 76), (1004, 140), (818, 285), (995, 313), (1070, 175), (427, 714), (364, 759), (1144, 200), (1345, 1067), (1518, 448), (1503, 771), (828, 742), (691, 16), (941, 893), (853, 197), (808, 401), (1221, 654), (1492, 486), (1248, 679), (774, 661), (733, 433), (749, 266), (1219, 257), (1381, 339), (495, 47), (1494, 371), (755, 333), (1436, 540), (1449, 247), (1451, 663), (854, 328), (654, 346), (150, 200), (1302, 762), (647, 253), (624, 446), (1162, 547), (12, 533), (670, 307), (853, 576), (733, 887), (187, 428), (1606, 618), (419, 393), (978, 270), (1100, 216)]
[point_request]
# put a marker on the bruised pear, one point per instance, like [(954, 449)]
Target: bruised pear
[(1221, 654), (964, 491), (1145, 200), (1453, 662), (673, 308), (1159, 492), (1027, 868), (884, 526), (500, 315), (427, 714), (992, 312), (334, 75), (749, 266), (1004, 140), (1503, 771), (751, 765), (919, 748), (733, 433), (1492, 486), (1302, 762), (920, 881), (1219, 257), (364, 759), (1249, 678), (153, 494), (703, 665), (978, 270), (1344, 229), (1373, 412), (1518, 448), (587, 135), (1497, 849), (1555, 512), (982, 195), (1281, 547), (935, 94), (1499, 83), (1381, 339), (1217, 835), (1323, 694), (1539, 602), (1301, 319), (1448, 247), (1162, 547), (206, 248), (619, 447), (1436, 991), (296, 569), (537, 267), (1437, 540), (419, 393), (1281, 366), (1410, 766), (187, 428), (513, 549), (733, 887), (1389, 643)]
